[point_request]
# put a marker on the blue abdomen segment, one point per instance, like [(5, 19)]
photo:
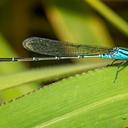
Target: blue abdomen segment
[(116, 53)]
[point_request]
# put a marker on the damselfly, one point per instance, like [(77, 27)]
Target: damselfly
[(62, 50)]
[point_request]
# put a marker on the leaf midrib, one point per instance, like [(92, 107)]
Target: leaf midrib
[(85, 109)]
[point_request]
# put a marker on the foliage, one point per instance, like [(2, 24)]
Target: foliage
[(72, 98)]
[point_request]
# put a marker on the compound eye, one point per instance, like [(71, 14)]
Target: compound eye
[(104, 55)]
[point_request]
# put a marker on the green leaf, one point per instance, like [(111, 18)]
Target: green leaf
[(45, 74), (9, 68), (109, 15), (74, 21), (85, 100)]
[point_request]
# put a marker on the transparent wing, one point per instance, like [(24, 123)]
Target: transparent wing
[(59, 48)]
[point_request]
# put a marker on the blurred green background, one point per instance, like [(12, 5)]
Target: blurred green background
[(101, 23), (97, 23)]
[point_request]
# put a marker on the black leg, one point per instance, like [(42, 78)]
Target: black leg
[(119, 68), (115, 60)]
